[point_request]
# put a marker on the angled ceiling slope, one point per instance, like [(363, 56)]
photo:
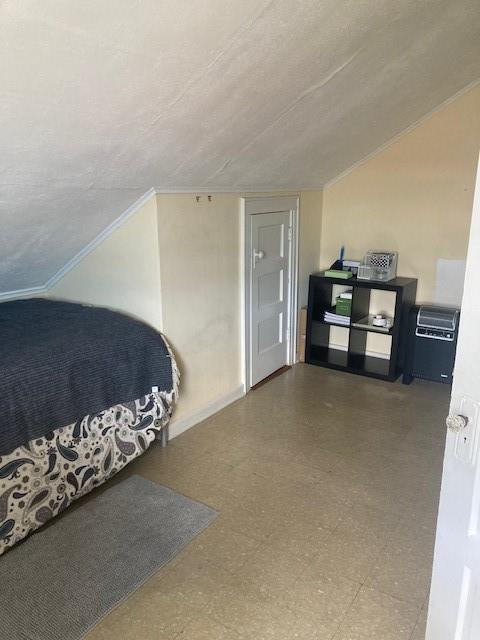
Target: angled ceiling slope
[(100, 101)]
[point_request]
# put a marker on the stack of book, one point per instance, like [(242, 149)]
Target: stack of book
[(336, 318)]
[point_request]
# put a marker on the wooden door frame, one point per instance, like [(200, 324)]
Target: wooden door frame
[(252, 206)]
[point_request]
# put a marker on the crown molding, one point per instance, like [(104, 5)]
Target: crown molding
[(103, 235), (402, 133), (237, 192), (23, 293)]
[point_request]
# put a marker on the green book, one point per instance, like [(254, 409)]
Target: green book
[(337, 273)]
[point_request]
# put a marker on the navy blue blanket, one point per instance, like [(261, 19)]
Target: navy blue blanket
[(61, 361)]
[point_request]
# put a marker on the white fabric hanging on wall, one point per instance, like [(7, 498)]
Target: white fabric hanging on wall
[(449, 282)]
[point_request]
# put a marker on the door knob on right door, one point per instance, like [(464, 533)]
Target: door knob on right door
[(456, 422)]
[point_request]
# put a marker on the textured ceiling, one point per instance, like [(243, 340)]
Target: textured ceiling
[(101, 100)]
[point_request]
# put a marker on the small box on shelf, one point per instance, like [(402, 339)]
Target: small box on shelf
[(302, 331), (302, 321), (343, 307), (339, 274), (301, 348)]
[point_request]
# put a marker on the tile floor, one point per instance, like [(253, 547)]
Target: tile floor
[(327, 486)]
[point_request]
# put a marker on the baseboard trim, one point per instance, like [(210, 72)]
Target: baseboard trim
[(176, 427)]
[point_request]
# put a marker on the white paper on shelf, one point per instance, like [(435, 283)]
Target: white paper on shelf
[(333, 317), (449, 282), (330, 314)]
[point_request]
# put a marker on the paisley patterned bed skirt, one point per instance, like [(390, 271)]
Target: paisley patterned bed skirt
[(39, 480)]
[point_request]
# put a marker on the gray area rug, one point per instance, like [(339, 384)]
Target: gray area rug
[(63, 580)]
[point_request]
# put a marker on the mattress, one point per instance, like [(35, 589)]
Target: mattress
[(61, 361), (85, 391), (40, 479)]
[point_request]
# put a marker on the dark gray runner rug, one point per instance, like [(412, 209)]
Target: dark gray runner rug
[(63, 580)]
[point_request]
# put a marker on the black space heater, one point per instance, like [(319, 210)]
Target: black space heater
[(431, 344)]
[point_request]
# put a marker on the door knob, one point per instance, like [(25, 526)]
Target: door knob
[(258, 255), (456, 422)]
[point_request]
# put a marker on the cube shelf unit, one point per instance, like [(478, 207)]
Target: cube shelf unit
[(354, 359)]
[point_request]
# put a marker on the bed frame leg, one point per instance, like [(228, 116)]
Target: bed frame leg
[(164, 436)]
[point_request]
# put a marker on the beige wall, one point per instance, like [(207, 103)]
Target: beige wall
[(309, 240), (123, 272), (200, 255), (200, 266), (414, 197), (176, 263)]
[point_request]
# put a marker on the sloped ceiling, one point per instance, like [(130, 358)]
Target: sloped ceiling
[(102, 100)]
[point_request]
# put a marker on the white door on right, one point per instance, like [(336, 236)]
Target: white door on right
[(454, 610), (270, 280)]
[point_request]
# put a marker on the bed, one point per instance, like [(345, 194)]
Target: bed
[(83, 391)]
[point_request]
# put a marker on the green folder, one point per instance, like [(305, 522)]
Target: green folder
[(336, 273)]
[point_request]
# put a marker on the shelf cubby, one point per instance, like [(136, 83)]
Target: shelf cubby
[(355, 358)]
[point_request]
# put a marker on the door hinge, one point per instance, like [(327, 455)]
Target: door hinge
[(289, 233)]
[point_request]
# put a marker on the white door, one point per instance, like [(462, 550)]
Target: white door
[(269, 270), (454, 610)]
